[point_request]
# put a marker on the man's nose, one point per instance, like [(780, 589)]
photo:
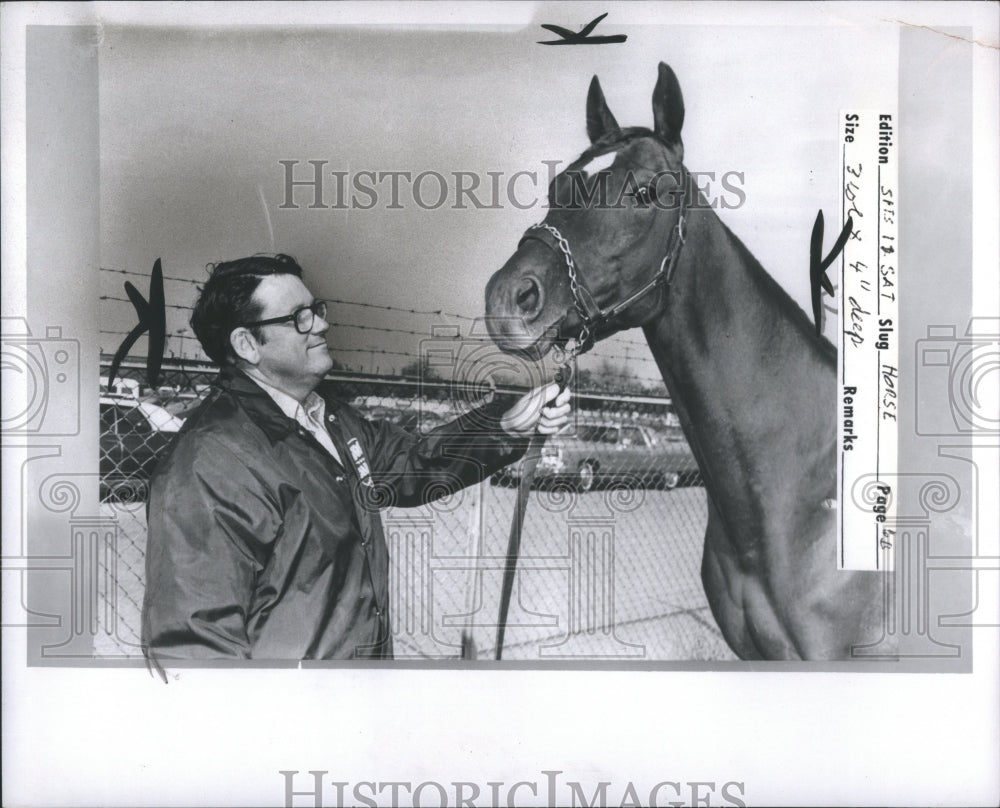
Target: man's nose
[(320, 325)]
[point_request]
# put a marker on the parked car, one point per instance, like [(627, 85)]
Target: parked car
[(593, 454), (133, 435)]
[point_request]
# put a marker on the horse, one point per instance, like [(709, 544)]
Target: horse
[(635, 244)]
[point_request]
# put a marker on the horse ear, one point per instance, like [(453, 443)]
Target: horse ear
[(668, 105), (600, 121)]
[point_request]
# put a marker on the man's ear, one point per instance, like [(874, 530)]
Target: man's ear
[(245, 345)]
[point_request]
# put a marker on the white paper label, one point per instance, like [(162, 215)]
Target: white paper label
[(868, 373)]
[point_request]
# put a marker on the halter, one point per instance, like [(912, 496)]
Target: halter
[(591, 314)]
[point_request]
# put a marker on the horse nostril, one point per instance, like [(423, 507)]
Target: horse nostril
[(528, 296)]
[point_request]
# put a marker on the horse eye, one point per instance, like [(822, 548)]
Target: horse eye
[(646, 194)]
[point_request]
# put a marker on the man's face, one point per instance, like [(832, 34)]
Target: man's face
[(289, 360)]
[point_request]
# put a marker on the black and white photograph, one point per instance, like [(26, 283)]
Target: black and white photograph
[(500, 404)]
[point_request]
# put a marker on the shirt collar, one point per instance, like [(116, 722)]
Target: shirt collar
[(314, 407)]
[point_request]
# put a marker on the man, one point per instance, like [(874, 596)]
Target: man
[(264, 534)]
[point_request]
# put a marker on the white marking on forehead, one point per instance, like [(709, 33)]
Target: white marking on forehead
[(601, 162)]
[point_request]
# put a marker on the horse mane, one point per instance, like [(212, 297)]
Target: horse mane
[(774, 291)]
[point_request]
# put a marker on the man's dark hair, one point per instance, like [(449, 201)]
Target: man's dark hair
[(226, 301)]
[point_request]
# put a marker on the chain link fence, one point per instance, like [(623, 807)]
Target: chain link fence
[(611, 546)]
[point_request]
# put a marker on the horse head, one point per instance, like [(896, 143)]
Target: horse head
[(601, 259)]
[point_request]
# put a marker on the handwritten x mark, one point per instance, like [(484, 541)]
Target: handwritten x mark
[(817, 268), (152, 318), (581, 37)]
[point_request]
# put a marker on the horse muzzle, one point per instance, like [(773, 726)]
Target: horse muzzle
[(521, 316)]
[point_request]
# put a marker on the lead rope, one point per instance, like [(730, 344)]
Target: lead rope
[(530, 463)]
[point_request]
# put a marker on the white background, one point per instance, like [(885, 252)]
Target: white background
[(120, 737)]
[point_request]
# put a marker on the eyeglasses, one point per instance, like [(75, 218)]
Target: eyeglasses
[(304, 317)]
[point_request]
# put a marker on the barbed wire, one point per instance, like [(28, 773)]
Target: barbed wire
[(146, 275), (339, 301), (335, 324), (170, 336), (126, 300), (377, 351), (179, 334), (427, 312), (385, 330)]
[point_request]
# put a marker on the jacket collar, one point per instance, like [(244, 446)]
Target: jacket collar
[(261, 408)]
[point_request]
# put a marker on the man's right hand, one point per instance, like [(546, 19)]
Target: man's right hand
[(531, 414)]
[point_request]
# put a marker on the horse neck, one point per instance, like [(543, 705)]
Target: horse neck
[(752, 385)]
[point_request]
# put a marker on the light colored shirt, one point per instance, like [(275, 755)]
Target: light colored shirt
[(309, 415)]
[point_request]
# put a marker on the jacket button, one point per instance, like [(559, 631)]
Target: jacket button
[(378, 611)]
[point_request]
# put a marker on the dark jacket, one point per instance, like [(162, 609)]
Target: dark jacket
[(262, 545)]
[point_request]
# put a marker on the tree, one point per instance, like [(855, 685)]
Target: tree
[(421, 369)]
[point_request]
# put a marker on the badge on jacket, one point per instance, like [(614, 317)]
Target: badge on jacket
[(360, 463)]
